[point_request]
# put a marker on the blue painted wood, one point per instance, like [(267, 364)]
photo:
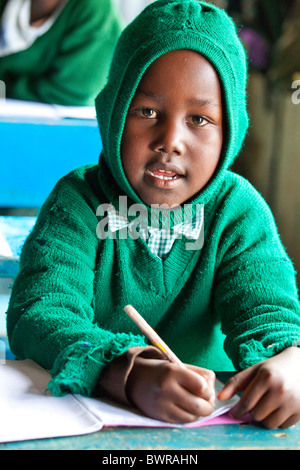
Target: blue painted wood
[(217, 437), (35, 155), (15, 231)]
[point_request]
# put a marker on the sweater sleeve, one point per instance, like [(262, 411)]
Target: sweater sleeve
[(255, 290), (80, 66), (50, 318)]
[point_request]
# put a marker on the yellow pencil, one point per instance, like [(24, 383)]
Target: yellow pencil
[(152, 335)]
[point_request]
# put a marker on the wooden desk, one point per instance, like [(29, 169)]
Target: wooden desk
[(217, 437)]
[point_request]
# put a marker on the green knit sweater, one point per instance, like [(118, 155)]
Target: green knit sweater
[(67, 303), (69, 64), (227, 305)]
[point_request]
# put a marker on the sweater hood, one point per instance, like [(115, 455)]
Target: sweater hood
[(168, 25)]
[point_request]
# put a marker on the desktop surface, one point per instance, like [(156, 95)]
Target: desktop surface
[(216, 437)]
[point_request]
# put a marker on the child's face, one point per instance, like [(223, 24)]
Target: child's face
[(173, 133)]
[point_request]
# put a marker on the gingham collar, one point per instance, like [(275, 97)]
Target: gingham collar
[(159, 241)]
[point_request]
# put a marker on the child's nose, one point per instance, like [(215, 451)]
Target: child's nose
[(170, 138)]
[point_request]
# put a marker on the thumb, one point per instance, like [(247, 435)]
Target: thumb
[(237, 383)]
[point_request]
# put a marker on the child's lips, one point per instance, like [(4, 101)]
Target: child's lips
[(163, 178), (163, 174)]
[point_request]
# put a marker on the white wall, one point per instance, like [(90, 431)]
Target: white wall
[(131, 8)]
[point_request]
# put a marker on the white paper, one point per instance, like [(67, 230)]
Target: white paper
[(27, 412), (116, 415)]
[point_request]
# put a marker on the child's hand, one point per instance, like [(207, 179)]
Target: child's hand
[(167, 392), (271, 390)]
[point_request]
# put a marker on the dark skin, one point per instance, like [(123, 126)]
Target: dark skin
[(174, 128), (171, 147), (167, 392), (41, 10)]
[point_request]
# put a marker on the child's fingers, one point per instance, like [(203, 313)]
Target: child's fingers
[(237, 383), (190, 395), (195, 383), (291, 421), (186, 412), (255, 400), (209, 375), (197, 406), (192, 405)]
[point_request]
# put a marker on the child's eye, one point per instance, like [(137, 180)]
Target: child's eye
[(198, 121), (145, 112)]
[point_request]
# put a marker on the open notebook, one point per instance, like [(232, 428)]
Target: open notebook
[(28, 411)]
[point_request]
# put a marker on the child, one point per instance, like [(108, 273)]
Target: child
[(172, 119), (49, 48)]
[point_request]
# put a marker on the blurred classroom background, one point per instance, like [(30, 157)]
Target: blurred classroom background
[(270, 160), (44, 138)]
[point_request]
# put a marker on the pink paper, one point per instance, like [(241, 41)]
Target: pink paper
[(226, 418)]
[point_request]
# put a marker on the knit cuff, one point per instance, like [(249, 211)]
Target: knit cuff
[(78, 367), (253, 351)]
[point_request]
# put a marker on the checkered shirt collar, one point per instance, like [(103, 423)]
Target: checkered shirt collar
[(159, 241)]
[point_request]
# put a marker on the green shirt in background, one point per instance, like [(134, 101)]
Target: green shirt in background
[(69, 63)]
